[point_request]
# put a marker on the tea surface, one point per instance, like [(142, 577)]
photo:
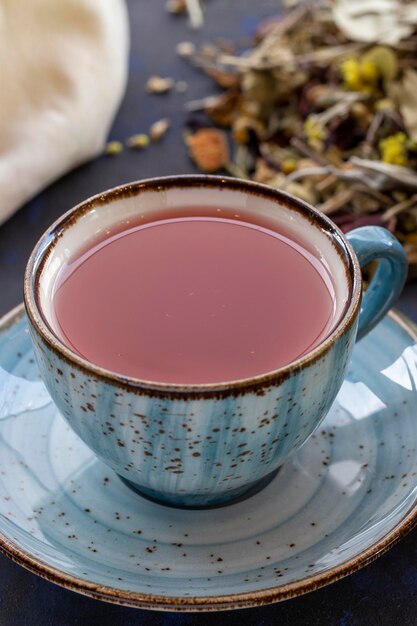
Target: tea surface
[(194, 300)]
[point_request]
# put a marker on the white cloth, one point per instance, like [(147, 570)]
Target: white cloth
[(63, 69)]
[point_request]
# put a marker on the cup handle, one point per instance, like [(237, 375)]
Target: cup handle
[(375, 243)]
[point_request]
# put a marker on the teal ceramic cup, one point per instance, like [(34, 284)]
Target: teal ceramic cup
[(199, 446)]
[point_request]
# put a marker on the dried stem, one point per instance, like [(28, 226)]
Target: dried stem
[(202, 104), (400, 207), (308, 171), (337, 202), (305, 150)]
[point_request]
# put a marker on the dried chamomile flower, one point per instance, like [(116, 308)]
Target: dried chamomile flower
[(394, 149), (360, 74), (315, 132)]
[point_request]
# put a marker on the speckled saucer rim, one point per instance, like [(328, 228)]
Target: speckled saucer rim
[(210, 603), (222, 389)]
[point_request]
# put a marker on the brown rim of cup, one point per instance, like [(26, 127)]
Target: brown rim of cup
[(256, 383)]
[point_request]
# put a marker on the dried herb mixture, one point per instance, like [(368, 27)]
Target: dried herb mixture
[(324, 105)]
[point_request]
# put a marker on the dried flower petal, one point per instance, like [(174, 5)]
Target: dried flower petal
[(176, 6), (394, 149), (209, 149), (157, 84), (407, 96), (315, 132), (360, 74), (185, 49), (288, 165), (372, 20), (159, 129)]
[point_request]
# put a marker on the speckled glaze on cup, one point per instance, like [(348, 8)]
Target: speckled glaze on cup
[(206, 445)]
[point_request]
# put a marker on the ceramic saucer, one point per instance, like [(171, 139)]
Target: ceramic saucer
[(344, 498)]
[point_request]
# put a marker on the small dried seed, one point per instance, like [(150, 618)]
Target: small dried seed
[(181, 86), (138, 142), (185, 49), (113, 148), (159, 129)]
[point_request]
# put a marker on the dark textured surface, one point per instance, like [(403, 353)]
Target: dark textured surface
[(385, 592)]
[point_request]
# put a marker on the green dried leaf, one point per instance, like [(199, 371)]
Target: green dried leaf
[(384, 60)]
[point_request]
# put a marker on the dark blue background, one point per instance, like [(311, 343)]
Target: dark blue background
[(385, 592)]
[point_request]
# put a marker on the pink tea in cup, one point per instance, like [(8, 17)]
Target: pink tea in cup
[(194, 300)]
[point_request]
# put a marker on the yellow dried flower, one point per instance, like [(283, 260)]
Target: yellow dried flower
[(393, 149), (369, 72), (315, 132), (385, 104), (360, 74), (113, 148), (288, 165), (241, 134), (351, 74), (384, 59)]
